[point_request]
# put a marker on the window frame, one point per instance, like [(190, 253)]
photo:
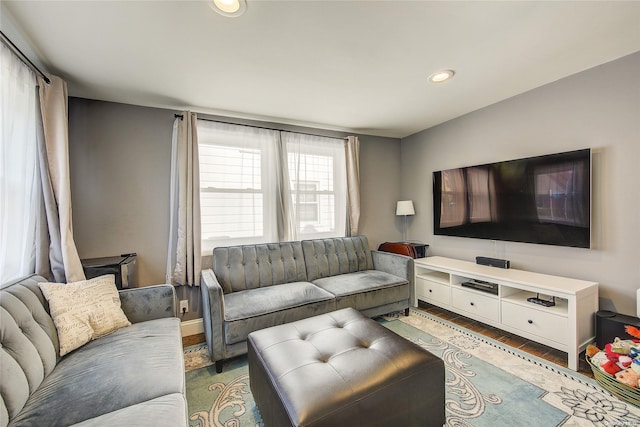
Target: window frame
[(208, 244)]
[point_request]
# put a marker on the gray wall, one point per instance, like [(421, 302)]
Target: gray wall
[(120, 172), (599, 109), (120, 156)]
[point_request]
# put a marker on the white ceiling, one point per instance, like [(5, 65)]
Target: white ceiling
[(359, 66)]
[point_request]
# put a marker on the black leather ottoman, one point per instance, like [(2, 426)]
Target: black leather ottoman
[(343, 369)]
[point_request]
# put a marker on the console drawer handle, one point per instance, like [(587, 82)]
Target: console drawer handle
[(472, 303), (430, 290), (530, 321)]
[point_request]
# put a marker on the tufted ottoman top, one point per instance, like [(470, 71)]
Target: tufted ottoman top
[(340, 368)]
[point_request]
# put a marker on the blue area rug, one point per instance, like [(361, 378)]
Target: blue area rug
[(487, 384), (479, 393)]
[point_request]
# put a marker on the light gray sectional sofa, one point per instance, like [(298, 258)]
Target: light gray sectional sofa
[(253, 287), (132, 377)]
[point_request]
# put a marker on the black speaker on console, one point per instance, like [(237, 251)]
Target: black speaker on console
[(493, 262)]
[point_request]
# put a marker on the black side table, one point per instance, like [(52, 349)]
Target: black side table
[(123, 267)]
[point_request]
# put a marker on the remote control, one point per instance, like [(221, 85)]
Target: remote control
[(546, 303)]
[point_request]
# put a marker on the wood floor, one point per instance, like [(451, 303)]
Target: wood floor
[(192, 340), (531, 347), (544, 352)]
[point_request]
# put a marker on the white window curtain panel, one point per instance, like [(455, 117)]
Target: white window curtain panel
[(263, 185), (352, 150), (184, 251), (285, 210), (315, 174), (19, 182), (238, 184), (54, 163)]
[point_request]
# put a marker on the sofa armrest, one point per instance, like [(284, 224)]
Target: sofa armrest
[(148, 303), (398, 265), (213, 314)]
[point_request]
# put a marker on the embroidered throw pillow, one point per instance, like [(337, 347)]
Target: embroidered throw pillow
[(84, 310)]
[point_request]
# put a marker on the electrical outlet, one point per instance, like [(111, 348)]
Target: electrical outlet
[(184, 306)]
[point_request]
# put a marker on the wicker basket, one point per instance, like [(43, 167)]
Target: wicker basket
[(609, 383)]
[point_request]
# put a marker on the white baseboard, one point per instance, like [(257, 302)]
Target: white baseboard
[(192, 327)]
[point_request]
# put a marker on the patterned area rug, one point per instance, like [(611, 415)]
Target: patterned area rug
[(487, 384)]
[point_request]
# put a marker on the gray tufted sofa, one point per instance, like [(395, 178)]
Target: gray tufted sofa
[(252, 287), (134, 376)]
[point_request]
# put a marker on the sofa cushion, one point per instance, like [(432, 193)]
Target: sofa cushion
[(84, 310), (254, 309), (169, 410), (28, 344), (365, 289), (131, 366), (330, 257), (239, 268)]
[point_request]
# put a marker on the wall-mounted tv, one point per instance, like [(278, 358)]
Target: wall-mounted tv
[(544, 200)]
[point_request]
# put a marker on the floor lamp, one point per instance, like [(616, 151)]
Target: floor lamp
[(404, 208)]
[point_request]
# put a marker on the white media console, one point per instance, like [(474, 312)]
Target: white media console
[(568, 326)]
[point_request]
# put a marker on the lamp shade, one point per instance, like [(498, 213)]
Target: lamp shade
[(405, 207)]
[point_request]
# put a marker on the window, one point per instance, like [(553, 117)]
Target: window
[(317, 179), (231, 182), (20, 192), (247, 197), (306, 194), (237, 203)]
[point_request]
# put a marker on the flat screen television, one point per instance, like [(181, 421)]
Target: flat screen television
[(543, 200)]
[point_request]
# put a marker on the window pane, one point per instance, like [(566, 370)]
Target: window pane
[(229, 167), (239, 182), (308, 213), (236, 191), (20, 189), (230, 215), (306, 192), (230, 199), (317, 182), (311, 177)]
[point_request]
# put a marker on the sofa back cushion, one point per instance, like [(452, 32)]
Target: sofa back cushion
[(239, 268), (340, 255), (29, 349)]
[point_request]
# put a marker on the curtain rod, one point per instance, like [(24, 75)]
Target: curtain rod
[(26, 61), (260, 127)]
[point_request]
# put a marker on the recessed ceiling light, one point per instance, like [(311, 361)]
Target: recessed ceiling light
[(441, 76), (230, 8)]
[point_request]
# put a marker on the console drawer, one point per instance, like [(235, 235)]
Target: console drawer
[(429, 291), (536, 322), (476, 304)]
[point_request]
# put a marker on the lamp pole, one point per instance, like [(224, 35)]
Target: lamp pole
[(404, 230)]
